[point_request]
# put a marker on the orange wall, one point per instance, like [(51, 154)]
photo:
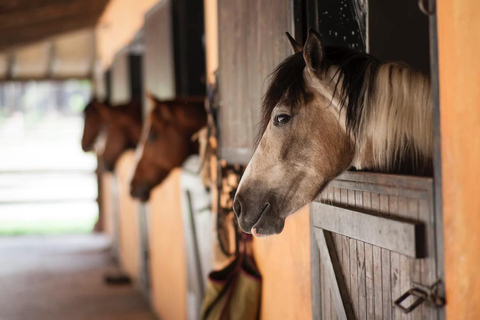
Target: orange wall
[(129, 228), (284, 262), (167, 250), (107, 205), (459, 66)]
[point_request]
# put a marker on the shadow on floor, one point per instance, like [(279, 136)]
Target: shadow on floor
[(61, 278)]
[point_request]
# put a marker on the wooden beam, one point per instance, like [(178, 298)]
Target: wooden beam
[(12, 6), (405, 237), (33, 16), (333, 272), (43, 31), (23, 22)]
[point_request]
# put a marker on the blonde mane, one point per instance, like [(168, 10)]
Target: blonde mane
[(396, 124)]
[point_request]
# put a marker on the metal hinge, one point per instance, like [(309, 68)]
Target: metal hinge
[(428, 294)]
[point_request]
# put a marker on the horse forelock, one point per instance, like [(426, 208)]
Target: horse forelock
[(355, 75), (287, 84)]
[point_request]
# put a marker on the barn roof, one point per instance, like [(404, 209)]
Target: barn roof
[(48, 38)]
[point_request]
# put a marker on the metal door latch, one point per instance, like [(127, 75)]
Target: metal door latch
[(422, 293)]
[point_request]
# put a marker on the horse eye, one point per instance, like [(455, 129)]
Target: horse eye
[(281, 119), (152, 136)]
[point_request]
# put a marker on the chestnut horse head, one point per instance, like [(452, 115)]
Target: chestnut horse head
[(92, 127), (166, 141), (123, 125), (326, 110)]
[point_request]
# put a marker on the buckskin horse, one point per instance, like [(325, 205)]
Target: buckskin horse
[(326, 110), (123, 127), (166, 141)]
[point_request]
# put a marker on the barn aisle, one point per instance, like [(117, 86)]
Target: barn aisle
[(61, 277)]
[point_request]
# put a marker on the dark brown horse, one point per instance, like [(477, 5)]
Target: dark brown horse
[(167, 141), (123, 126), (92, 127)]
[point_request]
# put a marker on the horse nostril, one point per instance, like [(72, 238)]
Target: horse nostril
[(237, 207)]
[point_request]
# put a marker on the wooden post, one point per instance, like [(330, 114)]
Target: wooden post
[(459, 67)]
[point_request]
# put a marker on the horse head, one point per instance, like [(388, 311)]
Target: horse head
[(166, 141), (92, 126), (328, 109), (123, 126)]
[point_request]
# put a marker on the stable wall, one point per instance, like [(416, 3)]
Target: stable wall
[(128, 210), (284, 262), (459, 67), (107, 206), (167, 250)]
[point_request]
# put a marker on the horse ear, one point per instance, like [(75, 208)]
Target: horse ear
[(152, 98), (296, 47), (103, 110), (313, 52)]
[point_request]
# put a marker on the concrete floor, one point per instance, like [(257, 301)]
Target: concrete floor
[(61, 278)]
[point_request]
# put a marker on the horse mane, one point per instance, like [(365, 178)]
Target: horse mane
[(389, 103)]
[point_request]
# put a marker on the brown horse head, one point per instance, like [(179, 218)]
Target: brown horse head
[(328, 109), (123, 126), (166, 141), (92, 126)]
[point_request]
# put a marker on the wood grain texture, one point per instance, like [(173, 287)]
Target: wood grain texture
[(362, 225), (377, 276), (251, 44)]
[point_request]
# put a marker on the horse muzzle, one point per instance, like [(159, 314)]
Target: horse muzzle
[(140, 191), (258, 219)]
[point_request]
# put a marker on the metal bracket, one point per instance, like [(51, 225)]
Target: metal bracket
[(428, 294), (426, 8)]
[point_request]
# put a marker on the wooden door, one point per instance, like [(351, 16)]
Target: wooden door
[(252, 43), (376, 238)]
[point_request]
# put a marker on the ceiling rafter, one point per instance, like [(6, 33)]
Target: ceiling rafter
[(27, 21)]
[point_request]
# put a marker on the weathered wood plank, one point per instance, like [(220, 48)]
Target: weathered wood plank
[(354, 276), (345, 245), (414, 264), (404, 271), (353, 261), (328, 255), (380, 189), (394, 267), (428, 271), (252, 43), (399, 181), (377, 266), (386, 269), (362, 290), (369, 268), (369, 228)]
